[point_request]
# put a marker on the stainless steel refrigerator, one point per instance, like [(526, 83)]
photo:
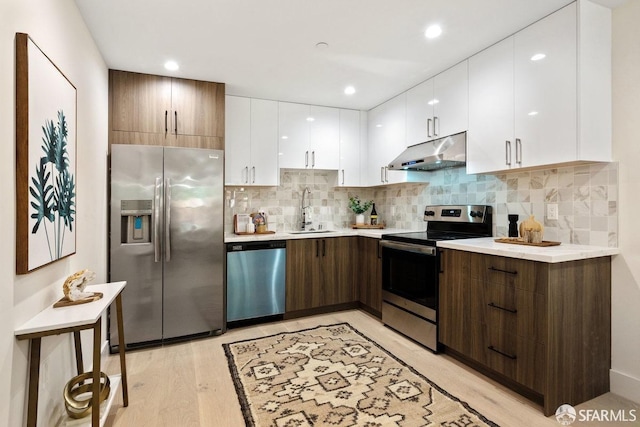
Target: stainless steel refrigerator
[(166, 241)]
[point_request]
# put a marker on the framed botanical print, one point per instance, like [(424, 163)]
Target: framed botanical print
[(45, 159)]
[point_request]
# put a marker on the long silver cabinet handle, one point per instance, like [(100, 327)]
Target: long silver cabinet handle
[(436, 126), (156, 219), (313, 159), (386, 174), (429, 128), (518, 151), (342, 176), (306, 159), (167, 219), (246, 171), (176, 121), (507, 151), (253, 175), (381, 173)]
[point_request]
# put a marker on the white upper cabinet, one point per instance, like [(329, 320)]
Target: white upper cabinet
[(264, 142), (309, 136), (237, 128), (251, 141), (439, 106), (293, 135), (543, 96), (451, 101), (324, 137), (386, 141), (350, 139), (420, 113), (490, 138), (387, 130), (545, 109)]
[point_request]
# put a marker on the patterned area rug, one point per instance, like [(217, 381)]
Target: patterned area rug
[(335, 376)]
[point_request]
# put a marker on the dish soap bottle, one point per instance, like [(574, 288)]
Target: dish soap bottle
[(374, 215)]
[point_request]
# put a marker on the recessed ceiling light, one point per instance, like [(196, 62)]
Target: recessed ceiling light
[(349, 90), (433, 101), (285, 137), (378, 125), (433, 31), (533, 113), (310, 119), (171, 65), (538, 56)]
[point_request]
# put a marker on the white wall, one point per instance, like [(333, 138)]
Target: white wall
[(58, 29), (625, 364)]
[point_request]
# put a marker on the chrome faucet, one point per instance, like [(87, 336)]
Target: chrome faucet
[(303, 209)]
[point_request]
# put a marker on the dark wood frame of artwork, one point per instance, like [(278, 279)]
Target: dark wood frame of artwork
[(23, 141)]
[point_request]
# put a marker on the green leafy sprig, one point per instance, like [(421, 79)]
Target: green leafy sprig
[(359, 207)]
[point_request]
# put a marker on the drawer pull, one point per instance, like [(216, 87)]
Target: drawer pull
[(510, 356), (492, 305), (503, 271)]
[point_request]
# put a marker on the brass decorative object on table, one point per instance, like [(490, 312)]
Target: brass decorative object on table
[(73, 289), (77, 394)]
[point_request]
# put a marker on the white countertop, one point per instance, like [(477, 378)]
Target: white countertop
[(284, 235), (550, 254)]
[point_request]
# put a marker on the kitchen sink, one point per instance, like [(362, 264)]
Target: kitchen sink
[(310, 231)]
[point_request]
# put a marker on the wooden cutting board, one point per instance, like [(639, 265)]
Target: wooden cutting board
[(519, 242)]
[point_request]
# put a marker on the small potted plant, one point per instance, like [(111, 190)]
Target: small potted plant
[(359, 208)]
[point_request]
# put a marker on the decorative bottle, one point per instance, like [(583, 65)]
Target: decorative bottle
[(374, 215)]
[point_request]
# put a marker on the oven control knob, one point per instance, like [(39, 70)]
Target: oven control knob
[(476, 214), (429, 213)]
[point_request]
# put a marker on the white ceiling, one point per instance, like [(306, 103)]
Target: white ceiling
[(266, 48)]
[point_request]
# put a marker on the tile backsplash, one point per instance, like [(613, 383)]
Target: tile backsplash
[(586, 195)]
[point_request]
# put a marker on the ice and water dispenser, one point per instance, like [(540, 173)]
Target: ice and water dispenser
[(136, 221)]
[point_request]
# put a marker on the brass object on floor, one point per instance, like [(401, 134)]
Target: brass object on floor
[(77, 394)]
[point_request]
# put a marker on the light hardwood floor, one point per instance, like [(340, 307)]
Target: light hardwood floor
[(189, 384)]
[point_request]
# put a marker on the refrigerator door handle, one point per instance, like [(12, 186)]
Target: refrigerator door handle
[(156, 220), (167, 219)]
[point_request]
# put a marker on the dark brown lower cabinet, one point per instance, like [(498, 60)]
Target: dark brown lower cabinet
[(320, 272), (545, 328), (369, 275)]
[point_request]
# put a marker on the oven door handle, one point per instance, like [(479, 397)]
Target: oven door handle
[(408, 247)]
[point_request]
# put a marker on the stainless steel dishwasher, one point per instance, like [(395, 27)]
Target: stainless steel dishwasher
[(255, 279)]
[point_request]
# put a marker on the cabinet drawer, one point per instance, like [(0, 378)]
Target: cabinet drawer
[(517, 358), (511, 310), (522, 274)]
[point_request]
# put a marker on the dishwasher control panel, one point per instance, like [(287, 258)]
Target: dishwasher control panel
[(252, 246)]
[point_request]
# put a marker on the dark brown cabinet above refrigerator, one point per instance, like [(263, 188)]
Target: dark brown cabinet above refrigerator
[(157, 110)]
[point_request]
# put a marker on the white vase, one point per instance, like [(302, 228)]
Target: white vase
[(360, 219)]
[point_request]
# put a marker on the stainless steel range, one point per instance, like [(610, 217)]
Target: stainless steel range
[(411, 266)]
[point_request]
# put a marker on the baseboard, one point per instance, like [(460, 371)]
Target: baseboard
[(625, 385)]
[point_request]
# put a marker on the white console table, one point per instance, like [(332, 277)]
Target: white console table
[(75, 318)]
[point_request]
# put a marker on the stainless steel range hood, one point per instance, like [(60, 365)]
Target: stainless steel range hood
[(447, 152)]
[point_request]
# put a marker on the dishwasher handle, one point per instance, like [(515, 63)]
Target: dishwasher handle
[(256, 246)]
